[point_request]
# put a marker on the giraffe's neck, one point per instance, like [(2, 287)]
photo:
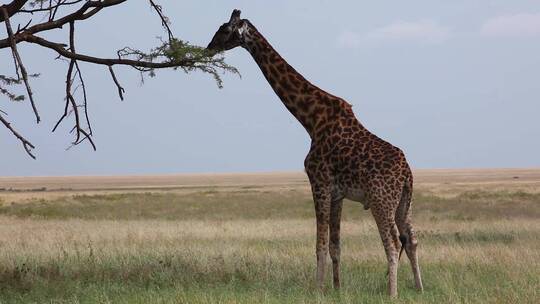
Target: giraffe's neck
[(313, 107)]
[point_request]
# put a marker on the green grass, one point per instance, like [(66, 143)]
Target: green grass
[(444, 284), (167, 279), (255, 246), (253, 204)]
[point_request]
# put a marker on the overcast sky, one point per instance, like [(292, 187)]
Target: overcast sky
[(453, 83)]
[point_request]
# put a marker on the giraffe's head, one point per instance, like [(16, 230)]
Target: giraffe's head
[(230, 34)]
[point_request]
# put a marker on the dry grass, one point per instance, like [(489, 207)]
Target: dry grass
[(255, 244), (437, 181)]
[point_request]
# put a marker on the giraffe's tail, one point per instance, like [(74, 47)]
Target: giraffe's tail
[(403, 211)]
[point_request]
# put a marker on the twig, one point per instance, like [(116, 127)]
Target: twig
[(86, 137), (120, 88), (51, 10), (164, 19), (70, 99), (19, 29), (84, 97), (36, 10), (28, 146), (83, 85)]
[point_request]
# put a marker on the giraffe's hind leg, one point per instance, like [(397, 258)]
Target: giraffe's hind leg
[(407, 234), (410, 244), (384, 217), (335, 249), (408, 238)]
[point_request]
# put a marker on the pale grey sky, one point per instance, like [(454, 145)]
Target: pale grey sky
[(453, 83)]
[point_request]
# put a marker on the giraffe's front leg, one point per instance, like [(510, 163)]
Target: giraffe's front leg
[(322, 199), (335, 248)]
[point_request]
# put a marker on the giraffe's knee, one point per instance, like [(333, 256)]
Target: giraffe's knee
[(411, 238), (412, 245), (396, 237)]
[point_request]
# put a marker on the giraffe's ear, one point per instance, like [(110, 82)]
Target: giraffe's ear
[(235, 16)]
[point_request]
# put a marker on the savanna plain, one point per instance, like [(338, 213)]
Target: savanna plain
[(250, 238)]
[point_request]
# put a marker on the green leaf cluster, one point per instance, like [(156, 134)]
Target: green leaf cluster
[(182, 55), (7, 81)]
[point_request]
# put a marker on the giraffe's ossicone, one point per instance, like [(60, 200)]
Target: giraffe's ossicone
[(345, 159)]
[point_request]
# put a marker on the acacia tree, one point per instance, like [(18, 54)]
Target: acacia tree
[(171, 52)]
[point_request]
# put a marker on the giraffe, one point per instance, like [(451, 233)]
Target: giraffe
[(345, 160)]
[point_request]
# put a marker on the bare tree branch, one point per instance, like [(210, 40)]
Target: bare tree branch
[(28, 146), (12, 8), (80, 14), (70, 99), (20, 63), (120, 88), (61, 50), (164, 19), (172, 53), (85, 105), (47, 9)]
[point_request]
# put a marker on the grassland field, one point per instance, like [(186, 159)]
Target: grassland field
[(250, 238)]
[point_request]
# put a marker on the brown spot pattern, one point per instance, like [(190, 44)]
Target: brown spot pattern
[(345, 161)]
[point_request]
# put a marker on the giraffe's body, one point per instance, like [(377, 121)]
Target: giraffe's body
[(345, 159)]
